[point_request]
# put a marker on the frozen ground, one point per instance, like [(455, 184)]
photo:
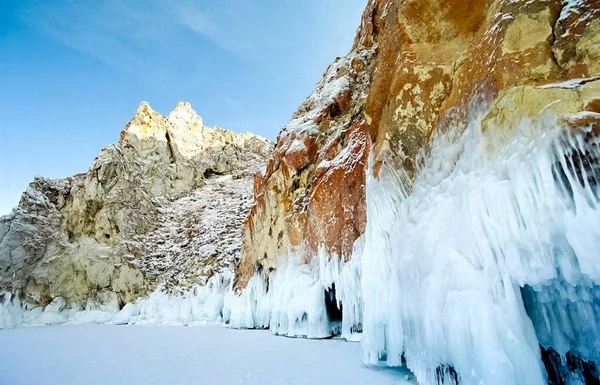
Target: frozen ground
[(108, 354)]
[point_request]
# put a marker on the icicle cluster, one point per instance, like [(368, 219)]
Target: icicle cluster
[(490, 214), (299, 299)]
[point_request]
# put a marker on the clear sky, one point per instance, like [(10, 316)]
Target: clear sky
[(73, 72)]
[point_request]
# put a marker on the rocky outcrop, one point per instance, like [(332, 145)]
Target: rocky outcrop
[(198, 235), (98, 237), (312, 190), (406, 75), (467, 132)]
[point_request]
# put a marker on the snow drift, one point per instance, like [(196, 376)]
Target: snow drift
[(199, 305)]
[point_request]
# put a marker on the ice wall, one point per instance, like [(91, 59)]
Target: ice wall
[(293, 302), (489, 214)]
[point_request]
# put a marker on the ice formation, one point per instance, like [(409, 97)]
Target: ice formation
[(200, 305), (490, 215), (299, 299), (461, 275), (464, 273)]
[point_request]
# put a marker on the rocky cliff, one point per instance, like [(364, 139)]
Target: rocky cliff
[(435, 197), (438, 192), (415, 66), (163, 205)]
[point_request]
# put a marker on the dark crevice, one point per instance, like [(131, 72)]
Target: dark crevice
[(295, 184), (567, 370), (335, 110), (170, 148), (553, 37), (210, 172), (447, 375), (574, 371), (334, 310)]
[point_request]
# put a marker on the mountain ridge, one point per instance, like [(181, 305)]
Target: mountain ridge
[(71, 238)]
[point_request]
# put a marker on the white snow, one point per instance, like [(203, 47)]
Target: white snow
[(331, 85), (569, 6), (348, 157), (571, 83), (145, 355), (199, 305)]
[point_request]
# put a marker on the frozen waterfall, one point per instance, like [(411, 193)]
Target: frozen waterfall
[(490, 253)]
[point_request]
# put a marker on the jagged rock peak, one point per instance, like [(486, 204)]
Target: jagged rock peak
[(145, 113), (79, 232), (184, 132), (186, 120), (184, 110)]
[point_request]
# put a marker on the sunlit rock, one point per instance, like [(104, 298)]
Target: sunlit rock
[(115, 232)]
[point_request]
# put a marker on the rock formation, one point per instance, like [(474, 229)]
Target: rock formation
[(436, 196), (414, 66), (107, 236), (440, 186)]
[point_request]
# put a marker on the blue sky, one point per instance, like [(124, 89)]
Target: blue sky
[(72, 73)]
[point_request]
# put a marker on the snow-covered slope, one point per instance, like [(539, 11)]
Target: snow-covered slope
[(198, 235)]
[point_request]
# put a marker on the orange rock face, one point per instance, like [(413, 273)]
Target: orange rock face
[(416, 65)]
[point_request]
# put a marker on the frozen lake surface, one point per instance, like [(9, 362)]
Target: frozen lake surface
[(132, 355)]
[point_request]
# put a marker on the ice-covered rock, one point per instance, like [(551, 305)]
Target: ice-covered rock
[(477, 210), (406, 74)]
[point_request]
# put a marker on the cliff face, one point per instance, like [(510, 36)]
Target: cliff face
[(107, 236), (437, 196), (415, 66)]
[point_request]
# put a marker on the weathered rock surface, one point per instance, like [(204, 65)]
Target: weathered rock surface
[(415, 66), (107, 236), (198, 235)]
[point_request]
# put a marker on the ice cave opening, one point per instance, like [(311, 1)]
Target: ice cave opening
[(566, 367), (334, 311)]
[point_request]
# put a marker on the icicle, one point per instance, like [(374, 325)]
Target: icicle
[(445, 258)]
